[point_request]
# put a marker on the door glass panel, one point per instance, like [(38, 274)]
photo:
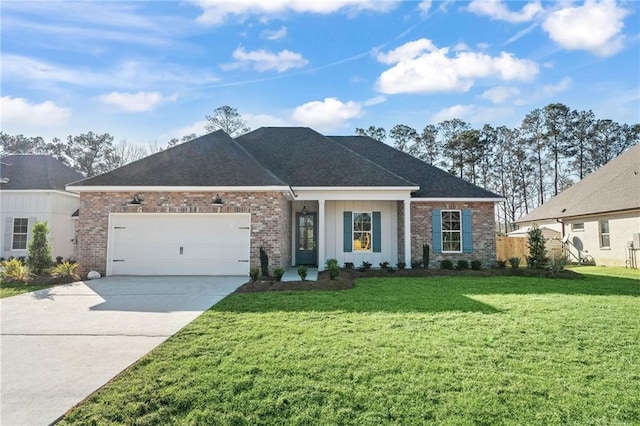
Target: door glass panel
[(306, 225)]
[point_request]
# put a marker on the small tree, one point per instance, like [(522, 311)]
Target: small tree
[(425, 256), (537, 251), (264, 262), (39, 249)]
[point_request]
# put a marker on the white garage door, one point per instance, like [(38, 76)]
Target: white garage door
[(179, 244)]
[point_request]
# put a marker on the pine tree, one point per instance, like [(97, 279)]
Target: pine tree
[(537, 251)]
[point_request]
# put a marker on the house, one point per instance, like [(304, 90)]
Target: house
[(32, 189), (207, 207), (552, 234), (600, 215)]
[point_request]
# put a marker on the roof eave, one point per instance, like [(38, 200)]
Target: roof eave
[(134, 188)]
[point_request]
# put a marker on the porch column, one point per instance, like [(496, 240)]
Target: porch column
[(407, 233), (321, 236)]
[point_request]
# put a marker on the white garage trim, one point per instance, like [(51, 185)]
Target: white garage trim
[(178, 244)]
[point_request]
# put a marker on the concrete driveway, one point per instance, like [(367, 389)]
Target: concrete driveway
[(61, 344)]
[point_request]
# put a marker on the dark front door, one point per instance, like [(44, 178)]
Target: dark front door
[(306, 239)]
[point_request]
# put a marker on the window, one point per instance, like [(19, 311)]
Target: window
[(20, 230), (362, 231), (604, 234), (577, 226), (451, 231)]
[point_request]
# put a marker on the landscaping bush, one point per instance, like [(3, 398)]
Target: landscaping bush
[(476, 265), (59, 260), (537, 251), (384, 265), (65, 269), (39, 259), (348, 265), (415, 264), (425, 255), (402, 265), (364, 267), (254, 273), (333, 268), (14, 270), (556, 265), (302, 272), (462, 265), (446, 264), (514, 262), (264, 262), (501, 264), (278, 273)]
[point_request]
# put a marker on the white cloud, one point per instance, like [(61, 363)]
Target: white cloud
[(129, 74), (136, 102), (19, 113), (421, 68), (595, 27), (424, 6), (263, 60), (500, 94), (327, 115), (472, 114), (274, 34), (545, 92), (376, 100), (497, 9), (217, 12)]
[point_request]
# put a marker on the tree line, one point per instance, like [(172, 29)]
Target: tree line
[(92, 154), (552, 148)]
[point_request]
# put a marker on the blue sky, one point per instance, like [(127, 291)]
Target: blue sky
[(148, 71)]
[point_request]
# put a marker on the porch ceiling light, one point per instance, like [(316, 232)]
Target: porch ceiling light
[(304, 210), (136, 200), (217, 200)]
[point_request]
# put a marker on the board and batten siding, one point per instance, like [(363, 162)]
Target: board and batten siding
[(334, 215), (54, 207)]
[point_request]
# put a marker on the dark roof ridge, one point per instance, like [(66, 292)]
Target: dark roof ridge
[(335, 142), (252, 157)]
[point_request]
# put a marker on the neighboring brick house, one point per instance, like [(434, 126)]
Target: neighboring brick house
[(207, 206)]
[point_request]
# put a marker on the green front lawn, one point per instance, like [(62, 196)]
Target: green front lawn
[(8, 289), (443, 350)]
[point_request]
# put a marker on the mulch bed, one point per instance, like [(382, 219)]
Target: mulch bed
[(347, 278), (51, 280)]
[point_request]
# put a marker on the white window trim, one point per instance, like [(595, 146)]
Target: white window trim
[(353, 231), (442, 231), (13, 234), (600, 234)]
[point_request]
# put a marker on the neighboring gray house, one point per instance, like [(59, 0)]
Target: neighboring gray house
[(207, 207), (32, 188), (600, 214)]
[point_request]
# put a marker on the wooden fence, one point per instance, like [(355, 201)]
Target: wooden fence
[(507, 247)]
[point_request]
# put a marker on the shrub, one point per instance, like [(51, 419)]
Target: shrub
[(537, 251), (364, 267), (425, 255), (402, 265), (302, 272), (15, 270), (59, 260), (348, 265), (415, 264), (462, 264), (333, 268), (501, 264), (264, 262), (39, 258), (66, 269), (514, 262), (476, 265), (254, 273), (557, 265), (446, 264), (384, 265), (330, 262), (278, 273), (390, 269)]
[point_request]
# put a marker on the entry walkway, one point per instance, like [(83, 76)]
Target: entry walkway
[(291, 274)]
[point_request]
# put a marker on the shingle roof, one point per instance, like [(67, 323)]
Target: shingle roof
[(303, 157), (433, 182), (613, 187), (214, 159), (27, 171)]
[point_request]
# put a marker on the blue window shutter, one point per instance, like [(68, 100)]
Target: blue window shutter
[(436, 230), (467, 232), (348, 235), (377, 234)]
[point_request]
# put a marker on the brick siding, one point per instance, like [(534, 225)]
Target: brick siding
[(270, 220), (483, 232)]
